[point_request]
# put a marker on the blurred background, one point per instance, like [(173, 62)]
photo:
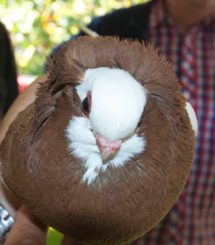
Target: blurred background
[(37, 26)]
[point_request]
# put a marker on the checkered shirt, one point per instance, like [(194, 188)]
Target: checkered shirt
[(192, 219)]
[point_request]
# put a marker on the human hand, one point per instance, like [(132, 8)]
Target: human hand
[(27, 229)]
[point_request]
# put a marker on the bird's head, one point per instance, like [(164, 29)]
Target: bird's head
[(113, 101)]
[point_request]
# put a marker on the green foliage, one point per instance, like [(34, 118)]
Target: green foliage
[(54, 237), (37, 26)]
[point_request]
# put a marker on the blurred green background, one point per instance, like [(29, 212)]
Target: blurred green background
[(39, 25)]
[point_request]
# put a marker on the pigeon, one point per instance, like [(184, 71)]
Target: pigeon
[(106, 148)]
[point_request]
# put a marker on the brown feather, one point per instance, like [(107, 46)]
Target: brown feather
[(123, 203)]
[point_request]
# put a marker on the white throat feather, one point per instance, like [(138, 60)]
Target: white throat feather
[(82, 145)]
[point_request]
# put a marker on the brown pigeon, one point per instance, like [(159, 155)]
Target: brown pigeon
[(106, 148)]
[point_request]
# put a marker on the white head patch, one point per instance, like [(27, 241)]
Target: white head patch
[(118, 101)]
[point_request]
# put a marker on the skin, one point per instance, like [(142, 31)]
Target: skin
[(187, 13), (23, 100), (27, 229)]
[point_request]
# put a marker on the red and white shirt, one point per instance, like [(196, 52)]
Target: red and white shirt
[(192, 219)]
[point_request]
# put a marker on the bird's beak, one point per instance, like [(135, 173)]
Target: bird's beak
[(107, 147)]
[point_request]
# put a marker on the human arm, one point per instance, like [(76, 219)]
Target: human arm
[(26, 227), (7, 199)]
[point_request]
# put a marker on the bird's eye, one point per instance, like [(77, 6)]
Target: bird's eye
[(140, 122), (86, 106)]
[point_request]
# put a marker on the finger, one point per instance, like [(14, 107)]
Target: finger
[(26, 230)]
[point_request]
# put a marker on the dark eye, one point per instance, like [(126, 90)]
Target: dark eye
[(140, 122), (86, 106)]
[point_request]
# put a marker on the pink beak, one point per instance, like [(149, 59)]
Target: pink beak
[(107, 147)]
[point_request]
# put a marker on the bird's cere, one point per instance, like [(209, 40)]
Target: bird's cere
[(107, 148), (107, 136)]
